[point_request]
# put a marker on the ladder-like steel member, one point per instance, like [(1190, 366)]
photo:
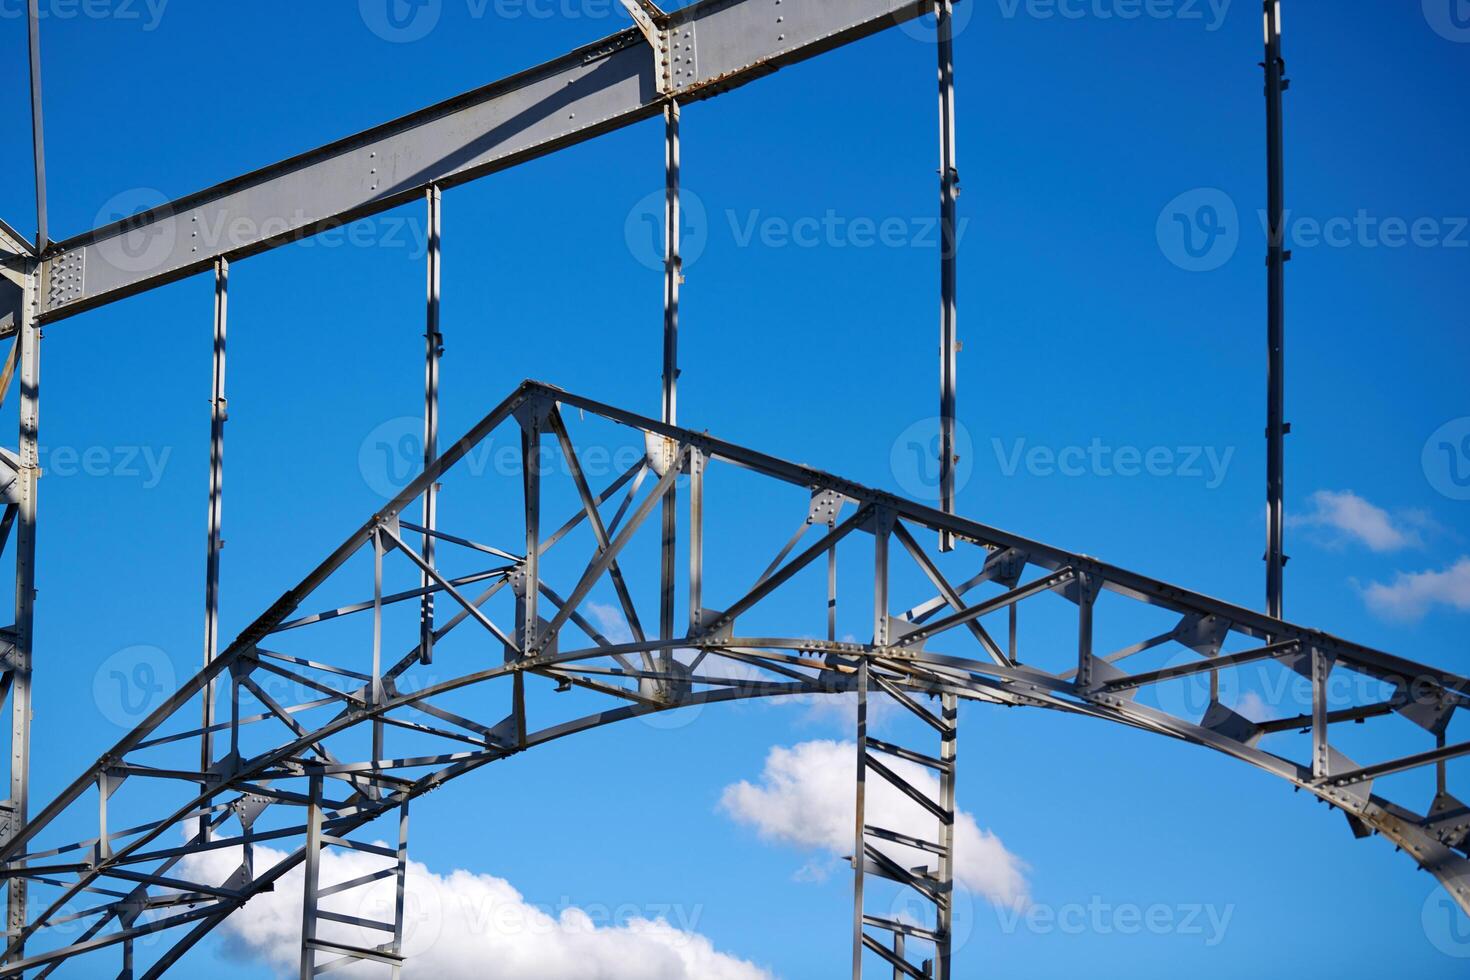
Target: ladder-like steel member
[(882, 851), (321, 952)]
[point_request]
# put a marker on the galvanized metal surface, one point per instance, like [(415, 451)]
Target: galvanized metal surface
[(927, 652), (942, 650)]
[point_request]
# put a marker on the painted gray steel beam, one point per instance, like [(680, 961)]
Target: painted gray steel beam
[(29, 474), (715, 45), (38, 126)]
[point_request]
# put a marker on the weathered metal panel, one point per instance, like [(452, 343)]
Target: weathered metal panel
[(737, 40)]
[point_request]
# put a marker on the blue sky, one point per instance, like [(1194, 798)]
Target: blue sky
[(1091, 334)]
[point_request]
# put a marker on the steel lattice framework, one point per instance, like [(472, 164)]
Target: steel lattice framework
[(323, 720), (380, 726)]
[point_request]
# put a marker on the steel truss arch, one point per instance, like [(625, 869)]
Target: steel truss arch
[(360, 736)]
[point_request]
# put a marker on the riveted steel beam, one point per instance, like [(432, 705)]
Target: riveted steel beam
[(715, 45)]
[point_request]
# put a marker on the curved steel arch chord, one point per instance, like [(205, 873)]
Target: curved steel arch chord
[(344, 705)]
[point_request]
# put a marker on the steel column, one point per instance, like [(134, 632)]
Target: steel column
[(38, 127), (219, 411), (311, 878), (949, 189), (434, 347), (944, 911), (673, 277), (29, 340), (1276, 258), (401, 880), (696, 539), (526, 604), (673, 262), (859, 844)]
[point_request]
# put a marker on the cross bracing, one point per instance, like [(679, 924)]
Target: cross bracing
[(324, 730)]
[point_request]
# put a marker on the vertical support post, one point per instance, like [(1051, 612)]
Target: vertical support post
[(944, 911), (103, 850), (882, 528), (949, 189), (832, 588), (219, 412), (1013, 627), (670, 522), (1321, 760), (527, 600), (1276, 258), (673, 277), (38, 128), (673, 261), (859, 853), (531, 490), (25, 585), (696, 538), (1086, 594), (376, 693), (401, 876), (434, 348), (311, 879)]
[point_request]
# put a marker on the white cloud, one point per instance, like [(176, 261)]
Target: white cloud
[(805, 798), (1412, 594), (1253, 707), (465, 925), (610, 620), (1353, 518)]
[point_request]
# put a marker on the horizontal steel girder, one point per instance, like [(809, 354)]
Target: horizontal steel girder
[(262, 785), (709, 47)]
